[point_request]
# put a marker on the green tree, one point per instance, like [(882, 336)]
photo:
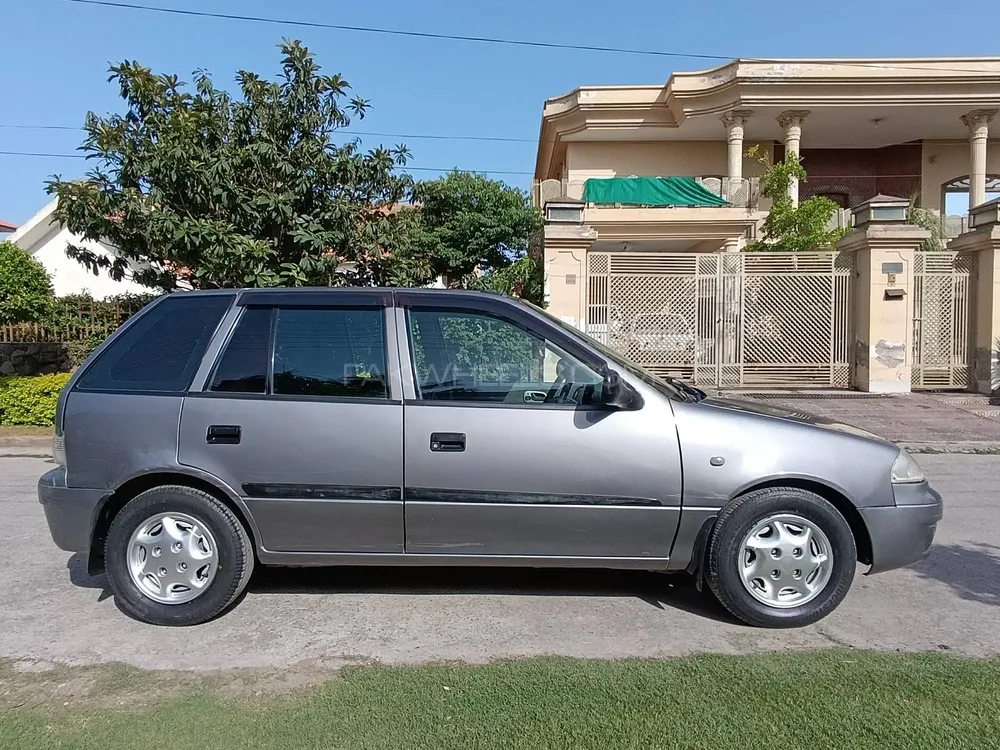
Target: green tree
[(246, 190), (468, 224), (789, 228), (523, 278), (25, 288)]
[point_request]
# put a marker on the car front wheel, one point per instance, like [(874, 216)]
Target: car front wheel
[(780, 557), (177, 556)]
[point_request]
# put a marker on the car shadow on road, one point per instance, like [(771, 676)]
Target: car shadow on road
[(973, 572), (78, 575), (657, 590)]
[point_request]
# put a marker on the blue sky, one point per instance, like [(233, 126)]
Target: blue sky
[(55, 54)]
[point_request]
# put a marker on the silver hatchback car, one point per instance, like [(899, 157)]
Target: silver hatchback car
[(220, 430)]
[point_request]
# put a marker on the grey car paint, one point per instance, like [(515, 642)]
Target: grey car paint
[(554, 486), (294, 448), (542, 479), (763, 444)]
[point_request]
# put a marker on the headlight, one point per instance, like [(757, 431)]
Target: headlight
[(905, 470)]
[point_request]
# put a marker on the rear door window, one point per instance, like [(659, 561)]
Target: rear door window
[(162, 349), (243, 367), (331, 352)]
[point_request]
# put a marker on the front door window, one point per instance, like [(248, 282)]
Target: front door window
[(466, 356)]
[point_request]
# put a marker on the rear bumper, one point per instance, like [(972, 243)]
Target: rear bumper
[(69, 512), (902, 535)]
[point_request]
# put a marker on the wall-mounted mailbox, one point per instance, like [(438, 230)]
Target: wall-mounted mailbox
[(891, 294), (892, 268)]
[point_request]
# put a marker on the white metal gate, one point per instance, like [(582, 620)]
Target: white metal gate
[(942, 310), (726, 319)]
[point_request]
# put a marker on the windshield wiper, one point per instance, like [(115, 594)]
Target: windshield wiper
[(696, 394)]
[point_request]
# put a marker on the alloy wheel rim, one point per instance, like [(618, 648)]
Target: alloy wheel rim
[(785, 561), (172, 558)]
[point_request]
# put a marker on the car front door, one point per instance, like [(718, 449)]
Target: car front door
[(508, 451), (301, 417)]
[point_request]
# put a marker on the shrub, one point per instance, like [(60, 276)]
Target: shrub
[(30, 400), (25, 288), (78, 351)]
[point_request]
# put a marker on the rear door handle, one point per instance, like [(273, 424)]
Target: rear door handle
[(224, 434), (447, 442)]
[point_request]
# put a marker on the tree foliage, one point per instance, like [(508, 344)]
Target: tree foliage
[(523, 278), (468, 224), (195, 184), (929, 220), (791, 228), (25, 288)]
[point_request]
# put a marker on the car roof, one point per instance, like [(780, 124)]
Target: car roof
[(392, 296), (348, 290)]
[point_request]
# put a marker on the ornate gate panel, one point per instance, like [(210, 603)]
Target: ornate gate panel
[(942, 310), (726, 319)]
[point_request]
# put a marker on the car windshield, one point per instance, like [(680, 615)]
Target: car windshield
[(679, 392)]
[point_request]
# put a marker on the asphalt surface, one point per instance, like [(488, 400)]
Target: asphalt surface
[(53, 612)]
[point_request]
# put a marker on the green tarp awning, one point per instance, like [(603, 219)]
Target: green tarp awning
[(649, 191)]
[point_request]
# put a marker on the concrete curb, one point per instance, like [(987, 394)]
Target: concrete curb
[(25, 441), (25, 451), (972, 447)]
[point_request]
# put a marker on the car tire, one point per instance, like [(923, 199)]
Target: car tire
[(760, 562), (204, 531)]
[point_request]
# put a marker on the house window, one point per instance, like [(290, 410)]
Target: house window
[(841, 199), (955, 194)]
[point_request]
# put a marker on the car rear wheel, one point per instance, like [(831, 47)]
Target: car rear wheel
[(780, 557), (177, 556)]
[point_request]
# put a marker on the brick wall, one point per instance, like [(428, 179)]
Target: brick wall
[(853, 175)]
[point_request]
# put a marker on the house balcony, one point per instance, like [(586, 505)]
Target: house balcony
[(736, 192), (701, 214)]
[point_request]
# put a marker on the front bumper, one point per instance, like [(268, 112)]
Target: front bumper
[(70, 512), (902, 535)]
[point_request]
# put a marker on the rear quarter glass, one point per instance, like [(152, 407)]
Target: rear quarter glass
[(161, 351)]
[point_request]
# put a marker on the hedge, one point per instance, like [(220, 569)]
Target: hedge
[(30, 400)]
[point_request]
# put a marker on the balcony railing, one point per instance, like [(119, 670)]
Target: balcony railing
[(739, 192), (951, 226)]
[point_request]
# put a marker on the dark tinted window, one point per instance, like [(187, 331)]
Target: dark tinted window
[(460, 356), (162, 350), (330, 353), (243, 367)]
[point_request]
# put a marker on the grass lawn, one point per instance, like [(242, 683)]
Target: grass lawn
[(821, 700)]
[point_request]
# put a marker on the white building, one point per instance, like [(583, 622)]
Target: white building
[(46, 240)]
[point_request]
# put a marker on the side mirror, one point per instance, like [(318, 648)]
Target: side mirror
[(616, 393)]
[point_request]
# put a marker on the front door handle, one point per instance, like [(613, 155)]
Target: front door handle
[(447, 442), (224, 434)]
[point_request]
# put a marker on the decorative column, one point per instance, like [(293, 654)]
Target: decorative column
[(983, 239), (567, 241), (734, 122), (791, 120), (978, 123), (883, 244)]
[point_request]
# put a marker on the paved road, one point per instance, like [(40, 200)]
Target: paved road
[(52, 611)]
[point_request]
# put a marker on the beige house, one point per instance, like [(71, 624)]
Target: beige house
[(623, 255)]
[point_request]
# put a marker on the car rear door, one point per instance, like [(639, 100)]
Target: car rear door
[(495, 469), (301, 415)]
